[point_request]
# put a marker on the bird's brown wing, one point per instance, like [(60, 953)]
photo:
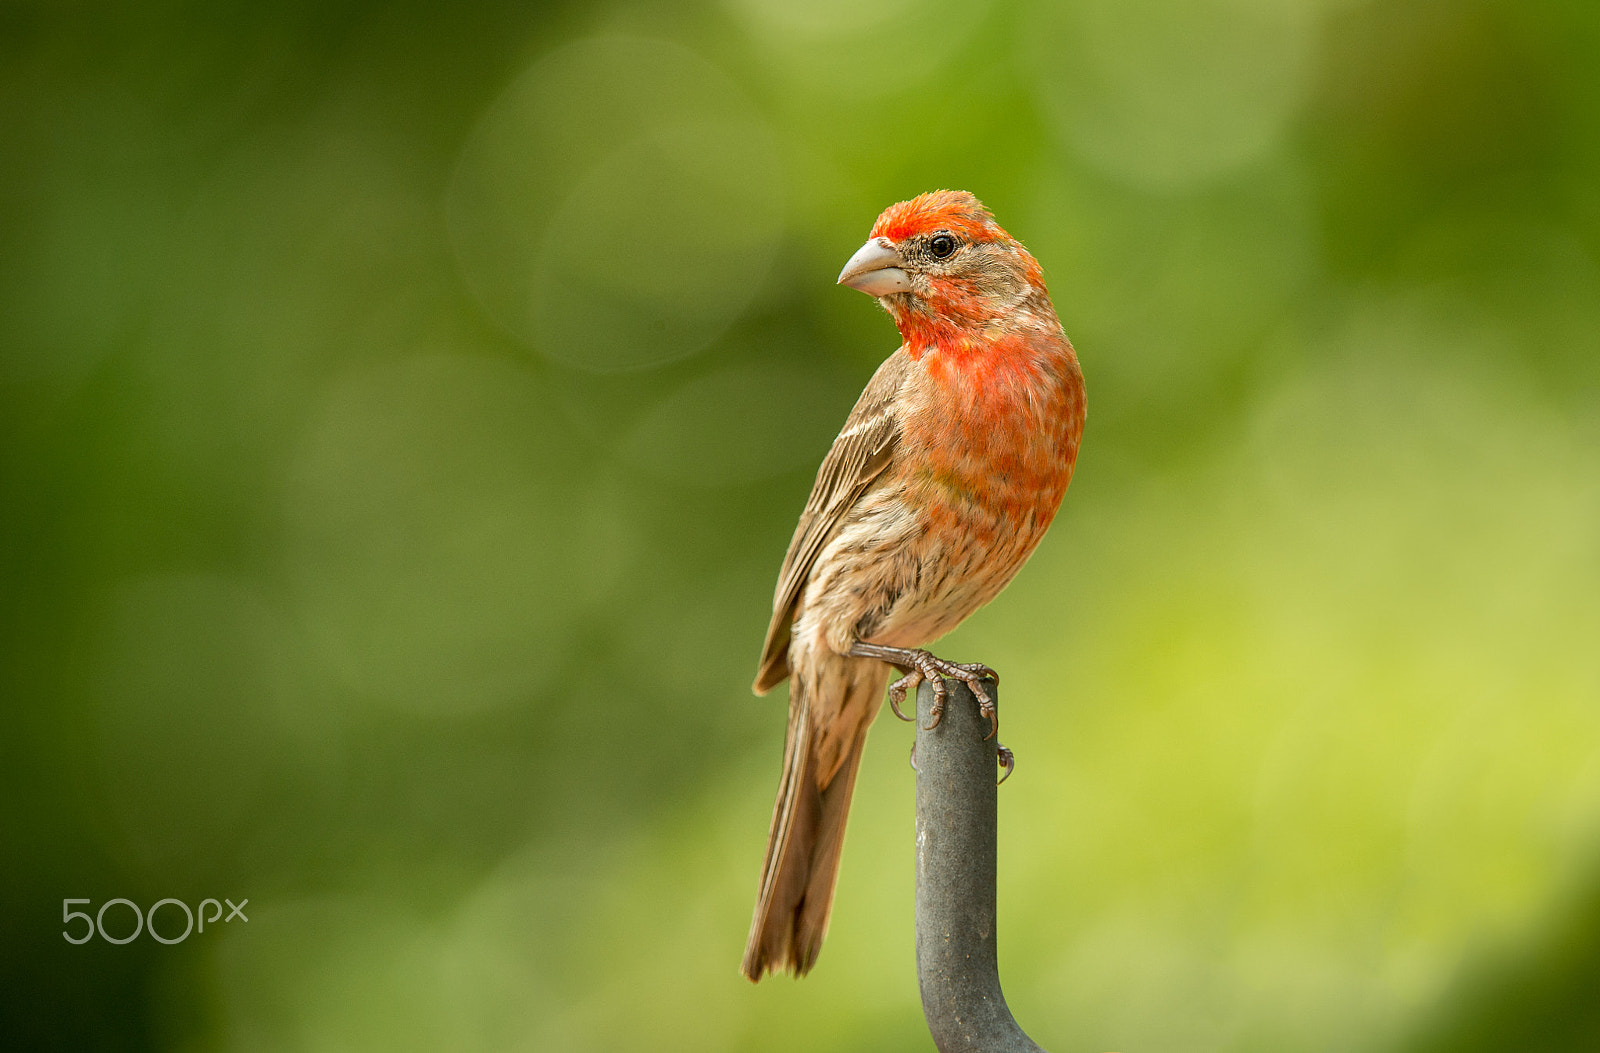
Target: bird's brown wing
[(859, 455)]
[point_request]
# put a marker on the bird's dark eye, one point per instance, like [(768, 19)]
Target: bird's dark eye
[(942, 246)]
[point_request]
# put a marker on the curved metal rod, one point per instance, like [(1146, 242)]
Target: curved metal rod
[(957, 968)]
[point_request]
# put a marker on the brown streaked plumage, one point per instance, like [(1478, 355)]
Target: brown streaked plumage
[(942, 482)]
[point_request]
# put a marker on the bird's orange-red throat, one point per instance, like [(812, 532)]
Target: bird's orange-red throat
[(942, 482)]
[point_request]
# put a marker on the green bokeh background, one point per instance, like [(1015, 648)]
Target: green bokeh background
[(404, 409)]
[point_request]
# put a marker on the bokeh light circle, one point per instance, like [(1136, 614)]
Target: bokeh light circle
[(194, 713), (1167, 95), (443, 543), (845, 51), (726, 428), (619, 205)]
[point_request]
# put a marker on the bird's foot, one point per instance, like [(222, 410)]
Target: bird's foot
[(935, 669), (921, 665)]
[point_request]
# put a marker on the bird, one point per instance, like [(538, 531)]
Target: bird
[(942, 482)]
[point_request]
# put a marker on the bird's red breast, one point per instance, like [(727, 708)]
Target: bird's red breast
[(998, 416)]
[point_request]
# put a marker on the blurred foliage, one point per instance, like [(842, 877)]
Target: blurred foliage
[(404, 409)]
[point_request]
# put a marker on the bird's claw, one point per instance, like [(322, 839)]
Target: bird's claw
[(1007, 759), (936, 710), (986, 707), (898, 690)]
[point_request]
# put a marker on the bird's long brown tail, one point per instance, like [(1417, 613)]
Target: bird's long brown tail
[(803, 846)]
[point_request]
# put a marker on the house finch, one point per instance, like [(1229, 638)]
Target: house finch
[(945, 477)]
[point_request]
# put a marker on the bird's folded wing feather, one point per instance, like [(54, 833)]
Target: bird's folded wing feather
[(859, 455)]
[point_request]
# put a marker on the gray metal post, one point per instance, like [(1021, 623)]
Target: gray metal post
[(956, 797)]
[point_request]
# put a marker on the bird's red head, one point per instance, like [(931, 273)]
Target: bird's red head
[(955, 211), (946, 271)]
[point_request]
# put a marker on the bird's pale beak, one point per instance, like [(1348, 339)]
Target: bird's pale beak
[(876, 269)]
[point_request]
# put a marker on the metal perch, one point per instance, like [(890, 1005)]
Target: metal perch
[(957, 968)]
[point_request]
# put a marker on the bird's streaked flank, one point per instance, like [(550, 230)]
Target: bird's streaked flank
[(945, 477)]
